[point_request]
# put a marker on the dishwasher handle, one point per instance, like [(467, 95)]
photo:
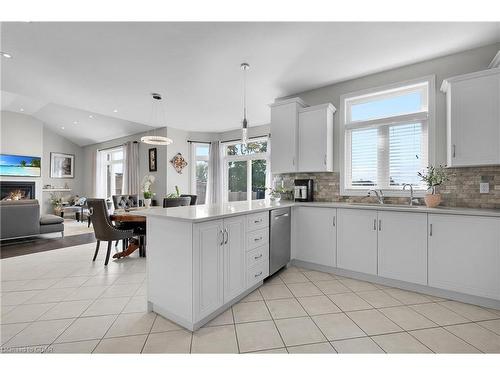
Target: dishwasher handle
[(282, 215)]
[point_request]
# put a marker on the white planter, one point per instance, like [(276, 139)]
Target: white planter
[(147, 202)]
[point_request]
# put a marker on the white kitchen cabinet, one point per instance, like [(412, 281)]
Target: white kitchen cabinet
[(464, 254), (402, 246), (315, 235), (316, 138), (357, 240), (473, 118), (284, 140), (234, 257), (208, 263)]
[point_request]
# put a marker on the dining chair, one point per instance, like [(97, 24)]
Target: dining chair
[(193, 197), (176, 202), (104, 229)]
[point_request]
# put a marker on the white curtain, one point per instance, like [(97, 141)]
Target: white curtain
[(131, 168), (99, 174), (214, 175)]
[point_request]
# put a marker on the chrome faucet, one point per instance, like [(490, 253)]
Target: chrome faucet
[(411, 192), (379, 194)]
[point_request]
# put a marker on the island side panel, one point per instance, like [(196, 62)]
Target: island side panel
[(169, 268)]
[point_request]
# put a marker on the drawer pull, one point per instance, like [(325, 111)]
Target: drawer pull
[(257, 257), (258, 274), (258, 239), (257, 221)]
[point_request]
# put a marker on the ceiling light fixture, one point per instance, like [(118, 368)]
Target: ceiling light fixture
[(91, 116), (21, 109), (115, 110), (75, 122), (6, 55), (157, 117), (62, 127), (244, 122)]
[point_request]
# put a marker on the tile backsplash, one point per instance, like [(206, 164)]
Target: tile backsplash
[(462, 190)]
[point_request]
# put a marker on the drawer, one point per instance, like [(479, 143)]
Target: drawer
[(257, 273), (257, 238), (258, 221), (257, 255)]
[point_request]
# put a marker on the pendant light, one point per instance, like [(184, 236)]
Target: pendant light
[(244, 122), (157, 117)]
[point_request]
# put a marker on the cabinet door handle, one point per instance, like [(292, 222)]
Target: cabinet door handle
[(222, 237), (227, 236), (257, 221), (380, 225), (430, 230), (454, 153), (324, 160), (258, 274), (258, 257), (257, 239), (374, 224), (334, 221)]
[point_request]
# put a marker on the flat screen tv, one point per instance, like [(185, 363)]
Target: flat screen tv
[(20, 166)]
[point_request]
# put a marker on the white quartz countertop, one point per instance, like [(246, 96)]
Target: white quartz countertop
[(216, 211)]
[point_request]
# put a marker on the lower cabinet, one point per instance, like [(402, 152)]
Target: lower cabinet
[(402, 246), (315, 235), (219, 260), (464, 254), (234, 257), (208, 263), (357, 240)]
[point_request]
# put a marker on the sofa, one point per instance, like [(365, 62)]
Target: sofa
[(21, 218)]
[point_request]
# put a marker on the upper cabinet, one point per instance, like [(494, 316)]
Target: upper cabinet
[(284, 139), (316, 138), (301, 137), (473, 118)]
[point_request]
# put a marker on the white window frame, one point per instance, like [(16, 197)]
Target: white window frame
[(248, 158), (102, 170), (428, 117), (194, 159)]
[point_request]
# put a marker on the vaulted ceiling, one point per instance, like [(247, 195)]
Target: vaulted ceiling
[(69, 72)]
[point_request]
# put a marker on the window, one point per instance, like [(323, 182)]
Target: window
[(246, 170), (385, 138), (199, 172), (110, 172)]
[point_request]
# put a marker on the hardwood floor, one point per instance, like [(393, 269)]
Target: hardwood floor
[(13, 248)]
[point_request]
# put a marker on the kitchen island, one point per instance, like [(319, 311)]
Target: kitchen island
[(203, 259)]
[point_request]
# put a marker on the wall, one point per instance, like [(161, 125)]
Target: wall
[(24, 135), (53, 142), (166, 178), (443, 67), (463, 189)]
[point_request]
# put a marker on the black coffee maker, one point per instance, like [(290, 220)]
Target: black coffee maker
[(303, 191)]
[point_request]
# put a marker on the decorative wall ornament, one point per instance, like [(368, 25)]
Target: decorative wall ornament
[(178, 162)]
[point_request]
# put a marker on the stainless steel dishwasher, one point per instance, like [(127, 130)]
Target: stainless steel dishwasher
[(279, 250)]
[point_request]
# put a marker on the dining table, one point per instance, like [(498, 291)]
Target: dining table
[(134, 219)]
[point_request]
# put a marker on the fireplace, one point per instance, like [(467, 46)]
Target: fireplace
[(16, 190)]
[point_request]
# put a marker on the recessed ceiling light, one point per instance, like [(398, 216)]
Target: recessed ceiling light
[(115, 110), (75, 122), (6, 55), (62, 127), (91, 116), (21, 109)]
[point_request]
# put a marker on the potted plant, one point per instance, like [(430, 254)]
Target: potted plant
[(275, 193), (57, 203), (434, 177), (147, 182)]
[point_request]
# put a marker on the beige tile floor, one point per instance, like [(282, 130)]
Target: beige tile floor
[(60, 302)]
